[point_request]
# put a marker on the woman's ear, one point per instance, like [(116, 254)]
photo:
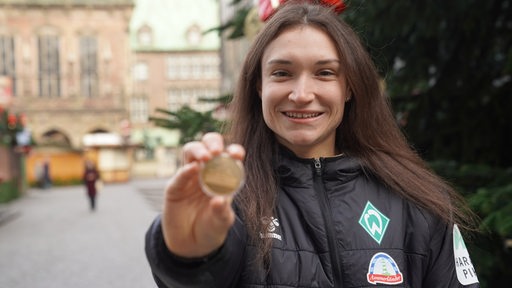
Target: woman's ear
[(349, 95), (258, 87)]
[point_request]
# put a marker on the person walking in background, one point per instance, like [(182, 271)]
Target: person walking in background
[(334, 195), (38, 172), (91, 178), (46, 177)]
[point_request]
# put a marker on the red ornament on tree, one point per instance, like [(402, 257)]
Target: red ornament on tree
[(266, 8), (11, 121), (339, 5)]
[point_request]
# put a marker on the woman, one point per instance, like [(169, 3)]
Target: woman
[(91, 177), (334, 196)]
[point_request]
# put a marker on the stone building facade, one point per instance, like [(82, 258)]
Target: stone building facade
[(69, 62)]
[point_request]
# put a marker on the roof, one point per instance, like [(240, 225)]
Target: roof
[(170, 20)]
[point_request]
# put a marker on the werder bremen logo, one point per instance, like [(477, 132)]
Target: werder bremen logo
[(374, 222)]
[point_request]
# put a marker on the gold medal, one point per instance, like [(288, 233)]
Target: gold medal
[(222, 176)]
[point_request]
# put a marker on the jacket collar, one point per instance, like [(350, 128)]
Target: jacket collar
[(294, 170)]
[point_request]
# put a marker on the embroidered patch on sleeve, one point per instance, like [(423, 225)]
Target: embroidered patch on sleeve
[(374, 222), (465, 271)]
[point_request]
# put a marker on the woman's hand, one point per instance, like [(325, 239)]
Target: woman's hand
[(193, 223)]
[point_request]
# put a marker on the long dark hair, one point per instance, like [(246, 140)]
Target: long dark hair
[(368, 130)]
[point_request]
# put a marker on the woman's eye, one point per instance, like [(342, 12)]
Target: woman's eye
[(280, 73), (326, 73)]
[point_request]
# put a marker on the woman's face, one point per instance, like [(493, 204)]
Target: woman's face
[(303, 91)]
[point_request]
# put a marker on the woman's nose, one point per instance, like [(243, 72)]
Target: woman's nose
[(303, 90)]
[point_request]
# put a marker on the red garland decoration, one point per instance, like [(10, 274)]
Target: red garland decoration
[(266, 8)]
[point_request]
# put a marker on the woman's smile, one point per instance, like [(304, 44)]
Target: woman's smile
[(302, 115)]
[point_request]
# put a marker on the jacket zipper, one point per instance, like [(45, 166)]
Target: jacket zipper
[(326, 213)]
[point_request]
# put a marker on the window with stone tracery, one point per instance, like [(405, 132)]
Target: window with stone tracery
[(88, 66), (49, 66), (139, 110), (7, 60)]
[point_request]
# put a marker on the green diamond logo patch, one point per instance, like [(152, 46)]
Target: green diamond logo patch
[(374, 222)]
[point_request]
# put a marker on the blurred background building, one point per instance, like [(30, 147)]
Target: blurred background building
[(87, 75), (69, 63), (174, 64)]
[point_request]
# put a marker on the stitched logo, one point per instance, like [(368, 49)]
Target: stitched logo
[(374, 222), (272, 223), (383, 269)]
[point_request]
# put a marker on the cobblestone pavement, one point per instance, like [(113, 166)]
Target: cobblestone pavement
[(51, 239)]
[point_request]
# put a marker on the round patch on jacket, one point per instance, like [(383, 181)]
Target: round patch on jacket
[(465, 271), (383, 270)]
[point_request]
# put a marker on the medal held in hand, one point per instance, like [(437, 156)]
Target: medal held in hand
[(222, 176)]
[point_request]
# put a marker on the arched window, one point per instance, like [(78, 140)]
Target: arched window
[(145, 35), (54, 138)]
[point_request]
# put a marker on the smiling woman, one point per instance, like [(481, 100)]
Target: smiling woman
[(303, 91), (333, 194)]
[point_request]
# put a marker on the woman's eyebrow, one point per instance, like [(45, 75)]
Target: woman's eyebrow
[(279, 61), (288, 62), (328, 61)]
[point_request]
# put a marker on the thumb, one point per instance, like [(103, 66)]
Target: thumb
[(222, 212)]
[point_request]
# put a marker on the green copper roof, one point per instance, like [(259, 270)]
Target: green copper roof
[(170, 20)]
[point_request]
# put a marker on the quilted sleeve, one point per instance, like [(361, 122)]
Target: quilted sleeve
[(449, 263), (219, 269)]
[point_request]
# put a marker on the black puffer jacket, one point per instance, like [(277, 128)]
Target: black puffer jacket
[(335, 226)]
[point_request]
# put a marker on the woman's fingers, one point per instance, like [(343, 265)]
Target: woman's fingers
[(180, 185), (214, 142), (195, 151), (236, 151), (210, 145)]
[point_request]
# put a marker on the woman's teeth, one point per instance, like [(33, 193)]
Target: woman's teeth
[(301, 115)]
